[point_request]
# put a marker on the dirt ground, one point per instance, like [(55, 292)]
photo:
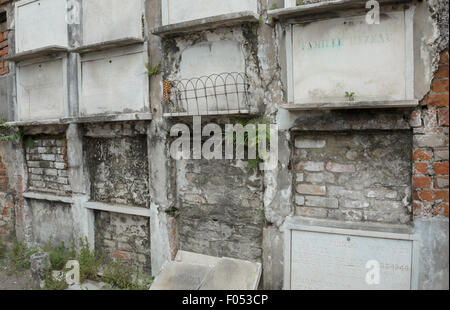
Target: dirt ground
[(13, 280)]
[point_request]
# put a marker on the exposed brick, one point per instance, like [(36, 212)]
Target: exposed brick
[(335, 167), (422, 155), (421, 182), (441, 210), (441, 182), (441, 154), (439, 86), (435, 140), (299, 200), (322, 202), (416, 119), (312, 212), (433, 195), (381, 193), (121, 255), (442, 72), (320, 178), (444, 58), (310, 166), (437, 100), (299, 177), (308, 189), (420, 168), (441, 168), (443, 116)]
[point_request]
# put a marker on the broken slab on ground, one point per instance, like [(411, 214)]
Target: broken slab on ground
[(191, 271)]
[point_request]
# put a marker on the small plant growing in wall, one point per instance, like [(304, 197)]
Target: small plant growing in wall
[(299, 2), (8, 132), (2, 248), (254, 141), (274, 6), (20, 255), (153, 70), (350, 96), (121, 275), (90, 261)]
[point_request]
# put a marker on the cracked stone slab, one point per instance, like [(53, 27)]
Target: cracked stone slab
[(180, 276), (233, 274)]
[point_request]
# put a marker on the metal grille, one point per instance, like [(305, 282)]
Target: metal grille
[(216, 94)]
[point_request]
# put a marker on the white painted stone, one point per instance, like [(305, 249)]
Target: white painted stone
[(333, 56), (177, 11), (206, 59), (354, 204), (299, 200), (312, 166), (300, 177), (111, 20), (338, 261), (113, 82), (309, 143), (40, 23), (322, 202), (41, 90)]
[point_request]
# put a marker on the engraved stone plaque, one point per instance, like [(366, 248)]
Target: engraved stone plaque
[(328, 258), (335, 56)]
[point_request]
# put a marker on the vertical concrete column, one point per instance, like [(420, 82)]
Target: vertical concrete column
[(79, 179), (153, 18), (159, 188), (277, 206)]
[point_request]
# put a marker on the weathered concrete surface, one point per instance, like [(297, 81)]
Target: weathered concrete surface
[(51, 221), (278, 184), (220, 207), (124, 237), (4, 98), (118, 170), (273, 256), (433, 254)]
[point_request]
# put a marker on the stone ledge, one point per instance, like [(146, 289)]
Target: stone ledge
[(107, 45), (85, 119), (352, 105), (212, 113), (36, 122), (207, 23), (47, 196), (37, 53), (109, 118), (365, 229), (116, 208), (325, 7)]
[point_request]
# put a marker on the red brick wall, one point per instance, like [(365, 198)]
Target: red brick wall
[(3, 45), (3, 52), (431, 147), (3, 177)]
